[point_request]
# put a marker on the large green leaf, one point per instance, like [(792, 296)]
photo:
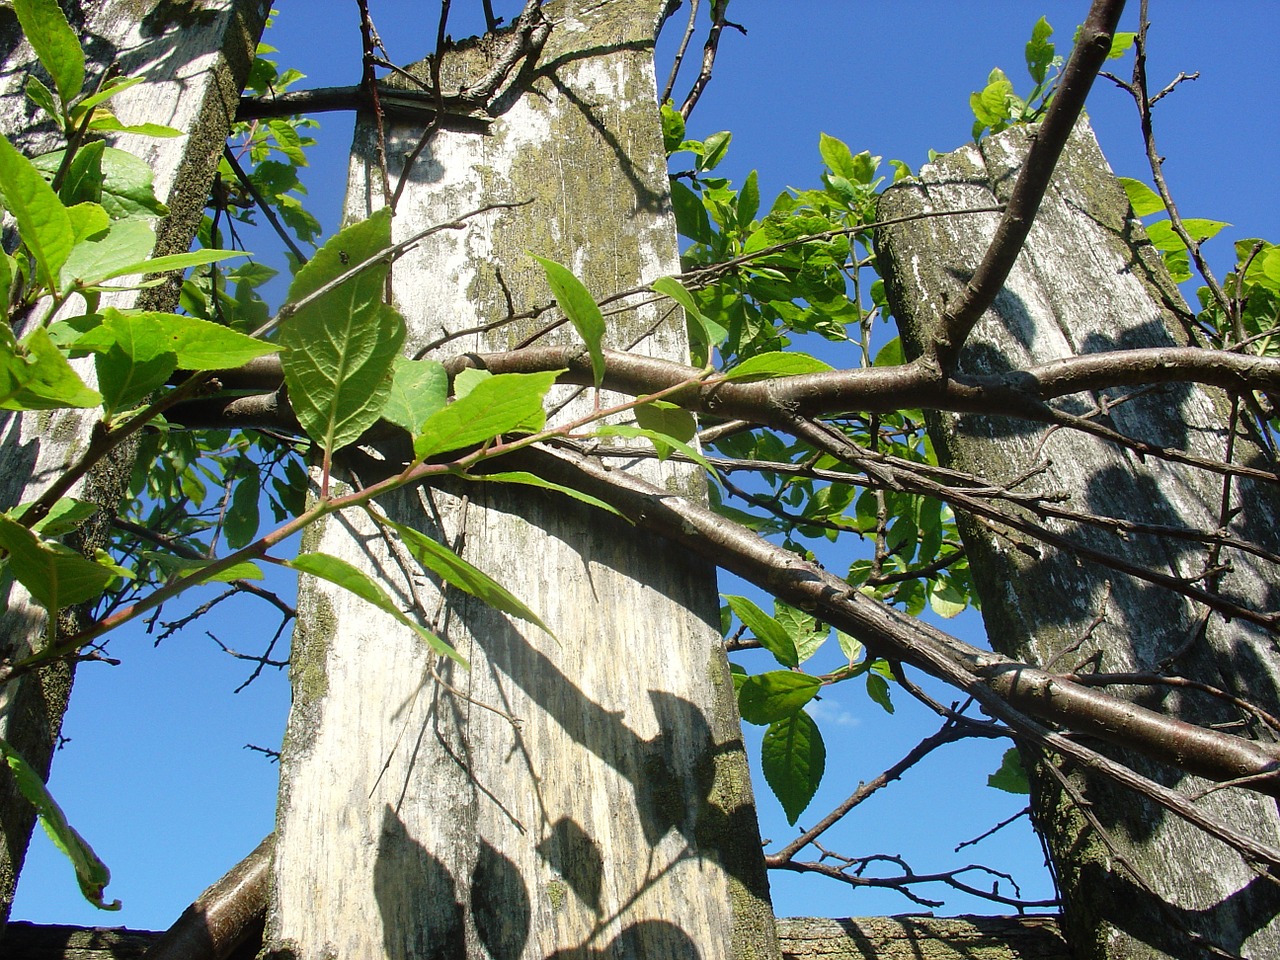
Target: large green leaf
[(533, 480), (338, 351), (419, 388), (793, 758), (125, 249), (702, 330), (195, 344), (508, 402), (91, 873), (769, 697), (343, 574), (34, 375), (772, 635), (126, 183), (581, 309), (54, 42), (56, 576), (1162, 236), (766, 366), (455, 571), (42, 220)]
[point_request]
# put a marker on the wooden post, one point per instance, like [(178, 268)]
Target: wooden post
[(195, 63), (1088, 281), (578, 796)]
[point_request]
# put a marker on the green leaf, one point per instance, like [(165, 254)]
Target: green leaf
[(343, 574), (714, 149), (772, 635), (43, 98), (766, 366), (240, 525), (672, 128), (338, 350), (805, 631), (850, 647), (1142, 198), (105, 122), (467, 380), (92, 874), (533, 480), (506, 403), (34, 375), (419, 389), (702, 330), (991, 106), (1039, 51), (749, 201), (63, 517), (1120, 44), (42, 220), (1163, 238), (837, 156), (1011, 777), (54, 575), (878, 690), (667, 420), (946, 599), (793, 759), (769, 697), (691, 215), (125, 243), (580, 307), (452, 569), (185, 566), (126, 184), (54, 42)]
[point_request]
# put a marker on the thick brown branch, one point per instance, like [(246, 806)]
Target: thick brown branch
[(1091, 49), (995, 681)]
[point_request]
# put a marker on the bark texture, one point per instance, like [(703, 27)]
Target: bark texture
[(194, 62), (582, 795), (1087, 282), (801, 938)]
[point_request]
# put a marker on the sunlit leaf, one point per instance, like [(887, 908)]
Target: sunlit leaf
[(1012, 776), (580, 307), (793, 759), (419, 388), (1142, 198), (765, 366), (55, 43), (354, 580), (42, 220), (772, 635), (457, 572), (92, 874), (769, 697), (54, 575), (338, 350), (506, 403)]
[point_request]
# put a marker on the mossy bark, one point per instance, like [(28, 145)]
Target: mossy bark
[(582, 795), (1088, 281)]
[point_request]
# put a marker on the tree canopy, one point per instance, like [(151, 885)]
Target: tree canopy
[(808, 417)]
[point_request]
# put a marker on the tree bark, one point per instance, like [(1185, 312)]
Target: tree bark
[(582, 795), (1136, 882), (194, 64)]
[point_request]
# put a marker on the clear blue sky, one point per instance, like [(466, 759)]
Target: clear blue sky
[(156, 775)]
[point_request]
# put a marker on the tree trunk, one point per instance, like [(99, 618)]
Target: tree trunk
[(1136, 882), (582, 795), (194, 65)]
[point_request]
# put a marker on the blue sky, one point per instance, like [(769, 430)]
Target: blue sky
[(156, 775)]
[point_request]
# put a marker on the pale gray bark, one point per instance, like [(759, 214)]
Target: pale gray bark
[(195, 63), (801, 938), (1088, 282), (578, 796)]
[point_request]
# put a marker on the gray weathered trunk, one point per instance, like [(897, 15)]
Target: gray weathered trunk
[(1089, 282), (195, 66), (613, 816)]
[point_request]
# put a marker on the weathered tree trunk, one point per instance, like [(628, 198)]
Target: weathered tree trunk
[(578, 796), (1088, 282), (195, 62), (801, 938)]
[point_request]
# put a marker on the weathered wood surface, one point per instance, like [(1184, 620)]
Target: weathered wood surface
[(195, 62), (801, 938), (1088, 282), (614, 817)]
